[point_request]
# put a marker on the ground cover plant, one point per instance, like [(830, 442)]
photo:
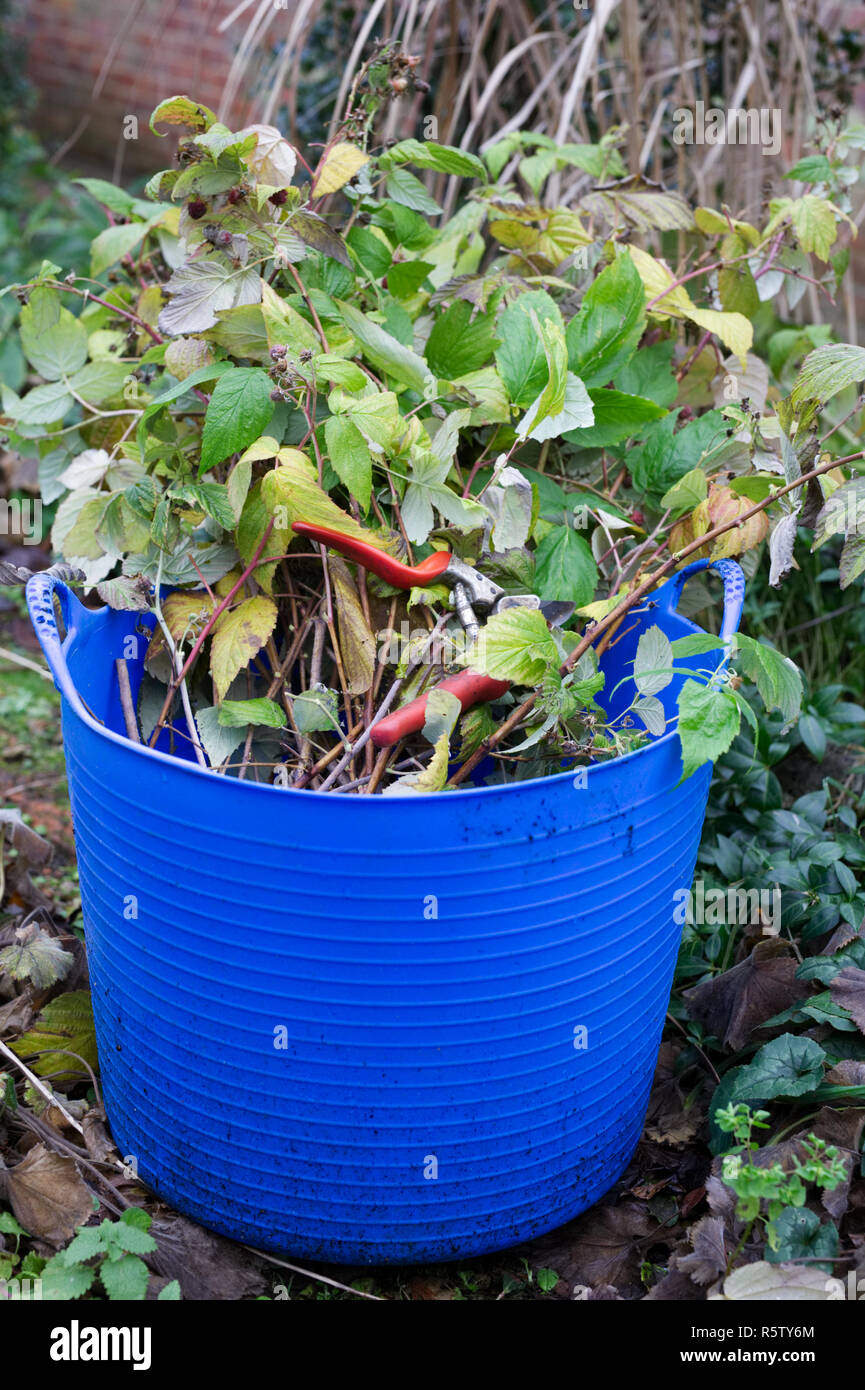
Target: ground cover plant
[(262, 345)]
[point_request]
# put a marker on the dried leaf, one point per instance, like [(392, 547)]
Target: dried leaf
[(356, 641), (766, 1283), (733, 1004), (709, 1258), (47, 1196), (848, 990)]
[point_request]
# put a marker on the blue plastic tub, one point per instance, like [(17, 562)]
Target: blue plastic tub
[(350, 1027)]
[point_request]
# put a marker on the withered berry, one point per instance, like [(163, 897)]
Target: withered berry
[(196, 208)]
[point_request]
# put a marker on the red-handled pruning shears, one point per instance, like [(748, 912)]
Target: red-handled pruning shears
[(473, 593)]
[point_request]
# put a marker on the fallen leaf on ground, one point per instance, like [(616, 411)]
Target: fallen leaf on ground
[(765, 1283), (733, 1004), (47, 1196), (848, 990), (709, 1256)]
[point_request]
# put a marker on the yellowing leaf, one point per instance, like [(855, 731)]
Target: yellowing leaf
[(340, 166), (291, 493), (238, 636), (431, 779), (735, 331), (356, 640)]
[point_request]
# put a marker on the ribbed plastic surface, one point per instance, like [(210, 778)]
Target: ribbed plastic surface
[(345, 1027)]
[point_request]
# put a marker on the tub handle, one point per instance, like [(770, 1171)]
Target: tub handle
[(668, 596), (40, 592)]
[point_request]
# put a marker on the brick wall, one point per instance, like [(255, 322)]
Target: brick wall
[(96, 62)]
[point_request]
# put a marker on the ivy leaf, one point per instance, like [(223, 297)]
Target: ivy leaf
[(777, 679), (236, 714), (653, 663), (514, 645), (786, 1066), (708, 723), (349, 457), (238, 636), (237, 413), (602, 338)]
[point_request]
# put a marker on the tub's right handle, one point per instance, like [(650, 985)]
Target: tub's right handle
[(668, 596), (40, 592)]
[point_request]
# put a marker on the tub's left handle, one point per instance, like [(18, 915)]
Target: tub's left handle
[(41, 589)]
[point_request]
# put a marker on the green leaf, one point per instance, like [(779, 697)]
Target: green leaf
[(114, 243), (828, 370), (404, 188), (650, 712), (237, 413), (372, 251), (209, 373), (787, 1066), (522, 357), (65, 1023), (219, 742), (458, 343), (778, 680), (814, 224), (53, 349), (169, 1293), (238, 636), (852, 562), (428, 489), (97, 382), (814, 168), (384, 351), (603, 336), (211, 498), (431, 779), (182, 110), (801, 1235), (349, 457), (291, 493), (201, 289), (42, 406), (617, 417), (443, 709), (125, 1279), (566, 568), (708, 723), (37, 957), (668, 454), (236, 714), (576, 411), (688, 492), (653, 663), (61, 1282), (428, 154), (649, 373), (405, 278), (115, 199), (514, 645), (316, 710)]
